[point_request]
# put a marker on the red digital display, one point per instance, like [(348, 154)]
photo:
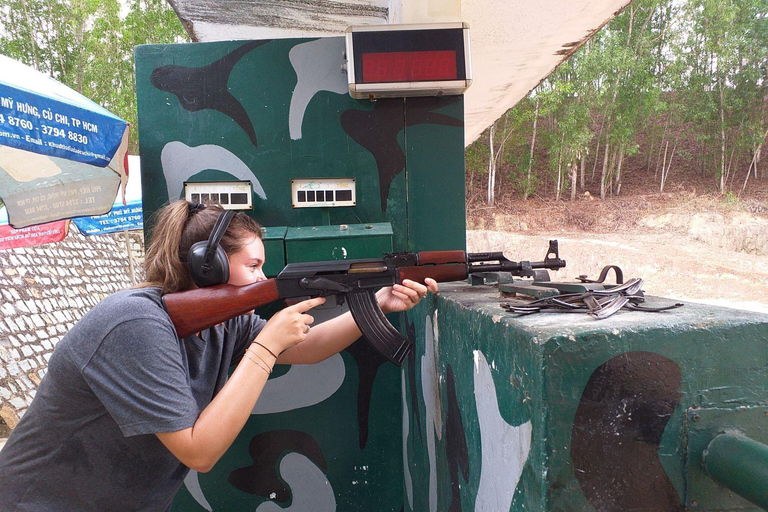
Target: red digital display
[(409, 66)]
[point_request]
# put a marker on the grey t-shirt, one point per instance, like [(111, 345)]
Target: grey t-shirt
[(118, 377)]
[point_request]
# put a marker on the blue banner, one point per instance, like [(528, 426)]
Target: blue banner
[(120, 218), (51, 127)]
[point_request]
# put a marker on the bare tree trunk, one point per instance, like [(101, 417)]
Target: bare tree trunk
[(603, 174), (582, 159), (500, 154), (754, 162), (50, 44), (80, 32), (491, 170), (651, 145), (663, 166), (728, 168), (597, 155), (32, 41), (663, 136), (559, 169), (611, 171), (618, 171), (749, 171), (668, 166), (574, 167), (530, 161), (723, 177)]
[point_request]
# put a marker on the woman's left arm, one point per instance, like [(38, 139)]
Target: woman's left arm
[(333, 336)]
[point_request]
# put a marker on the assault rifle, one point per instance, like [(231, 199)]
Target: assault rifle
[(353, 281)]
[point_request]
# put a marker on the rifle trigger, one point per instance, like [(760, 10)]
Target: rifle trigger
[(323, 283)]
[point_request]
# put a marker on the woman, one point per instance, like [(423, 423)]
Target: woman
[(127, 407)]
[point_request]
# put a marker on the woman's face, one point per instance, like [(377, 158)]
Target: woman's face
[(246, 265)]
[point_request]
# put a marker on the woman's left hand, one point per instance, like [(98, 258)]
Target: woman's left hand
[(402, 297)]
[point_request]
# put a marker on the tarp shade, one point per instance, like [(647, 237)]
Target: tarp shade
[(44, 116), (61, 154), (126, 213), (66, 189)]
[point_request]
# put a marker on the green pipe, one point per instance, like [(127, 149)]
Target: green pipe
[(740, 464)]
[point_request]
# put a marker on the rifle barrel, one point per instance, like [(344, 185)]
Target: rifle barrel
[(514, 266)]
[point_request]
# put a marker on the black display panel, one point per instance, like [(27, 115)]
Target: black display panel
[(409, 56)]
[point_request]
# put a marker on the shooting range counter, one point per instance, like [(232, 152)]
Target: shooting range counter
[(491, 411), (559, 411)]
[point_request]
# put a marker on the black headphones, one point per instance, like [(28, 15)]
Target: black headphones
[(207, 262)]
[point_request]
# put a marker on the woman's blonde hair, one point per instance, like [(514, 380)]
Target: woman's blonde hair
[(178, 226)]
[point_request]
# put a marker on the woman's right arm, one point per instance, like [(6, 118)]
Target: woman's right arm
[(202, 445)]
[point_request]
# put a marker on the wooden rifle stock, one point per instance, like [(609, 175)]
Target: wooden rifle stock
[(195, 310)]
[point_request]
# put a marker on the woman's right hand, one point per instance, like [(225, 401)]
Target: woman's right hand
[(289, 326)]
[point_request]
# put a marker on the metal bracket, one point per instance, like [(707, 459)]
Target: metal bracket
[(482, 278)]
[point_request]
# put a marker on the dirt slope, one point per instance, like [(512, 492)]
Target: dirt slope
[(687, 248)]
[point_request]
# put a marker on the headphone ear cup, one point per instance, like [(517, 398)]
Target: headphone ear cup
[(202, 275)]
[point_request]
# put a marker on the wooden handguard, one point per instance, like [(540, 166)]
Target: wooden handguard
[(195, 310), (441, 257), (440, 273)]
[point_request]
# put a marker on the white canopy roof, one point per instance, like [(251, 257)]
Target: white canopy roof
[(515, 44)]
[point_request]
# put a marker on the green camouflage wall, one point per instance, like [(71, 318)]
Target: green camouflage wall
[(560, 412), (326, 436), (492, 412), (271, 111)]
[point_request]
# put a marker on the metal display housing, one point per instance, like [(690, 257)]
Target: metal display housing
[(230, 195), (370, 33), (323, 192)]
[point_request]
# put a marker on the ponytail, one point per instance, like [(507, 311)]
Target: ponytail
[(180, 225)]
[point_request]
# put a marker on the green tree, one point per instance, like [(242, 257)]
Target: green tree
[(88, 44)]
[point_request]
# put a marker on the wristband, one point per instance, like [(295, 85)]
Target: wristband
[(259, 364), (257, 355), (265, 348), (253, 351)]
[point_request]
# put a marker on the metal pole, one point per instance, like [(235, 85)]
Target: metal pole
[(740, 464), (128, 248)]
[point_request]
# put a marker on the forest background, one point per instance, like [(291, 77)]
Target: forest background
[(668, 87)]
